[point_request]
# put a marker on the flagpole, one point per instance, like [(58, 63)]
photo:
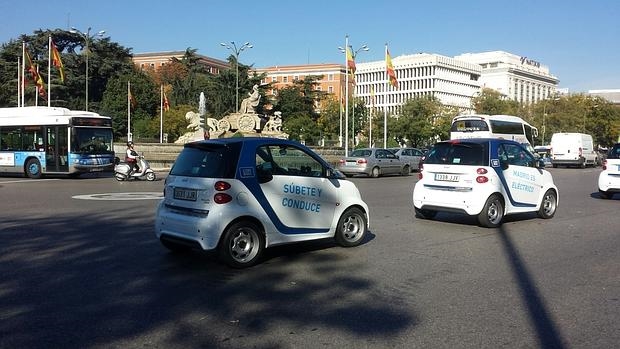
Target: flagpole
[(346, 96), (370, 127), (385, 99), (340, 112), (49, 70), (19, 81), (23, 72), (128, 111), (36, 89), (161, 118)]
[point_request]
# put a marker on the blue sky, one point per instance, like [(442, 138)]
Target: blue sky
[(578, 40)]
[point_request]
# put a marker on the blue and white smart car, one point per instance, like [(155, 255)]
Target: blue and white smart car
[(487, 178), (241, 195)]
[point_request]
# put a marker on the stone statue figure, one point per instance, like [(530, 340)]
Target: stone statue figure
[(274, 124), (251, 102)]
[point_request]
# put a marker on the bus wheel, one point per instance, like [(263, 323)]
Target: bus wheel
[(33, 169)]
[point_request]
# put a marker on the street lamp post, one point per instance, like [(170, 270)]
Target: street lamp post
[(353, 55), (87, 38), (236, 51)]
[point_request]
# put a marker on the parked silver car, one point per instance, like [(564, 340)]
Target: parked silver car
[(373, 162), (411, 156)]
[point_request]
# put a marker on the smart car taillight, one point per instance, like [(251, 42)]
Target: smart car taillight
[(482, 172), (604, 164), (221, 186), (222, 198)]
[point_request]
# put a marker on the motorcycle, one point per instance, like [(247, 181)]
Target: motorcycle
[(124, 171)]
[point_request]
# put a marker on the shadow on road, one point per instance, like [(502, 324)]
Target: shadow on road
[(70, 281), (547, 333)]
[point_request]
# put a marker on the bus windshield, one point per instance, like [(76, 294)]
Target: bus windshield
[(92, 141)]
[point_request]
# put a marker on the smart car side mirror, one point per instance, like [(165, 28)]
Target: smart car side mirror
[(540, 163), (332, 173)]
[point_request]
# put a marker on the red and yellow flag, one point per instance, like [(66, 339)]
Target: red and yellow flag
[(56, 61), (36, 77), (350, 64), (350, 61), (132, 100), (390, 68), (166, 103)]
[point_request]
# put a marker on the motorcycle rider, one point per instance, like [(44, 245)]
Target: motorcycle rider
[(131, 158)]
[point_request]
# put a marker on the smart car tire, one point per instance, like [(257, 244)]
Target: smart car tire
[(425, 214), (493, 212), (352, 228), (548, 205), (242, 245)]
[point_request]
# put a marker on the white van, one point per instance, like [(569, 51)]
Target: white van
[(573, 149)]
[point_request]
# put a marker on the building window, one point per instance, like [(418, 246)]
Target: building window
[(295, 77), (285, 79), (330, 89), (330, 77), (274, 79)]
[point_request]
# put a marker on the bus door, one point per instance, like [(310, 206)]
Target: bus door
[(56, 152)]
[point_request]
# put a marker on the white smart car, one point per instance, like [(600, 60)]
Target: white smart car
[(609, 178), (241, 195), (487, 178)]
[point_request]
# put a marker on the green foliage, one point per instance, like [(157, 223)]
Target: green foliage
[(301, 127), (492, 102), (423, 121), (115, 104)]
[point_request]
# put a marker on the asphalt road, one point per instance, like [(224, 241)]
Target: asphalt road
[(79, 270)]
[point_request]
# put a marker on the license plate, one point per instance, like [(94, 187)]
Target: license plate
[(445, 177), (185, 194)]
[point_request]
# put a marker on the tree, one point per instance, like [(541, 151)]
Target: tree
[(106, 59), (115, 104), (492, 102), (418, 121)]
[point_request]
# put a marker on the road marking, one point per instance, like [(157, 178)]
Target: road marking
[(121, 196), (29, 180)]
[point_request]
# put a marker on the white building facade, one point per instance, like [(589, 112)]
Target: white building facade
[(454, 82), (516, 77)]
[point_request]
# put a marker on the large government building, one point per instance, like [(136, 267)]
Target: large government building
[(518, 78), (453, 80)]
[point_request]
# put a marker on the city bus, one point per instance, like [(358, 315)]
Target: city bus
[(35, 141), (493, 126)]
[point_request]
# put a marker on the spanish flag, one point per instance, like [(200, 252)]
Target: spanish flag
[(350, 61), (56, 61), (390, 68), (166, 103), (34, 72)]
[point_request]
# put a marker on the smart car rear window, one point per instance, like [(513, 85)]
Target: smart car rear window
[(207, 160), (614, 153), (474, 154)]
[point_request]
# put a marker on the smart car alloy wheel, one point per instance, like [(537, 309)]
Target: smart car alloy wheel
[(242, 245), (351, 228)]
